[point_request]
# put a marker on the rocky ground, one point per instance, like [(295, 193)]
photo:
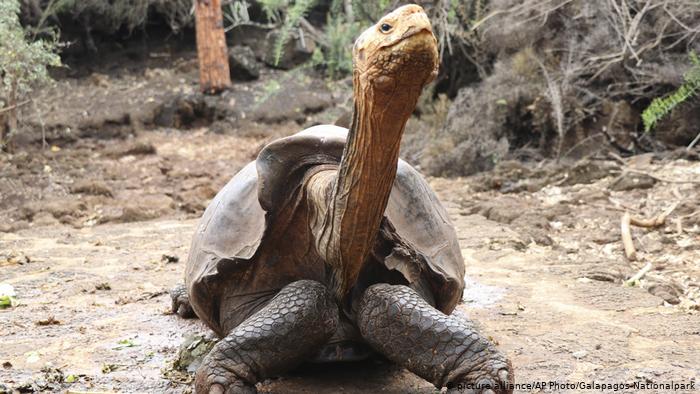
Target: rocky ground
[(96, 228)]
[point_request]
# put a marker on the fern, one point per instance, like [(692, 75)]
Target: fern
[(660, 107), (337, 56), (273, 8), (236, 14), (372, 10), (296, 12)]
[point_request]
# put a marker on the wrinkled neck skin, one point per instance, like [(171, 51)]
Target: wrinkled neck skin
[(350, 203)]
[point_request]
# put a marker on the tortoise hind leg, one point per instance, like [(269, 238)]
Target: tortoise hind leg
[(181, 302), (293, 326), (442, 349)]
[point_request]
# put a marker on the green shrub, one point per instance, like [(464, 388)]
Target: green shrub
[(273, 9), (23, 66), (371, 11), (662, 106), (297, 11), (236, 13), (336, 55), (111, 15)]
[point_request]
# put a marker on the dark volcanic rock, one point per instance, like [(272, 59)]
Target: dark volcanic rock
[(91, 187), (64, 207), (295, 100), (242, 63), (631, 181), (262, 41), (667, 291), (186, 111), (587, 171), (250, 35)]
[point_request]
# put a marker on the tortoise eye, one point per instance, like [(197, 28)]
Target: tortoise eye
[(385, 27)]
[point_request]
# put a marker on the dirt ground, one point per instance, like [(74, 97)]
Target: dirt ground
[(96, 230)]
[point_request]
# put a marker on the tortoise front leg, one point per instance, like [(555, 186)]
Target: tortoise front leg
[(294, 325), (181, 302), (442, 349)]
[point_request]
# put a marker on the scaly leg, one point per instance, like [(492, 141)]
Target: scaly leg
[(181, 302), (294, 325), (442, 349)]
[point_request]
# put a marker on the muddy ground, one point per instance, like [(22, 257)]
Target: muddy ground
[(96, 228)]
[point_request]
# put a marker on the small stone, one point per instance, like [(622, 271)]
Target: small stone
[(169, 259), (93, 188), (579, 354), (667, 292), (631, 181), (50, 321), (242, 64)]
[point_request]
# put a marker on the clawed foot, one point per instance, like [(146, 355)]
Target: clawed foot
[(293, 326), (208, 382), (494, 377), (235, 387), (445, 350), (181, 302), (221, 374)]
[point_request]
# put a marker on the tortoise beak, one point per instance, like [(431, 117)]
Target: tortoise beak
[(417, 22)]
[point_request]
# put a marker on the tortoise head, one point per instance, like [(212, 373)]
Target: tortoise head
[(398, 51)]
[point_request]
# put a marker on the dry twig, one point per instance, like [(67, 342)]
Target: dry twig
[(695, 141), (630, 252), (639, 275), (11, 107), (654, 222)]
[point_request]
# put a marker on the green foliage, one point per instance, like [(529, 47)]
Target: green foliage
[(52, 8), (273, 9), (111, 15), (340, 32), (297, 11), (371, 11), (336, 57), (124, 343), (7, 296), (660, 107), (269, 89), (23, 62), (335, 51), (236, 13)]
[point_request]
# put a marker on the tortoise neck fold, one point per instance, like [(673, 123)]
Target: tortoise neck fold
[(365, 177)]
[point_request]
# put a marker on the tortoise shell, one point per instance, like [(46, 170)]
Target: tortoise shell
[(253, 239)]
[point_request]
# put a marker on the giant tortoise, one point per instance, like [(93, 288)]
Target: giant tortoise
[(329, 246)]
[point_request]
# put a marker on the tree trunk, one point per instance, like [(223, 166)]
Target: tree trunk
[(211, 47), (8, 119), (3, 130)]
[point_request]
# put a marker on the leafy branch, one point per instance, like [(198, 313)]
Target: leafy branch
[(662, 106), (294, 16), (23, 66)]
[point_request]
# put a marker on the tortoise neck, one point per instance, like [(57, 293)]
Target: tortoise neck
[(365, 177)]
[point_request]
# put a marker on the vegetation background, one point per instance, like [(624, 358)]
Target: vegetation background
[(523, 78)]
